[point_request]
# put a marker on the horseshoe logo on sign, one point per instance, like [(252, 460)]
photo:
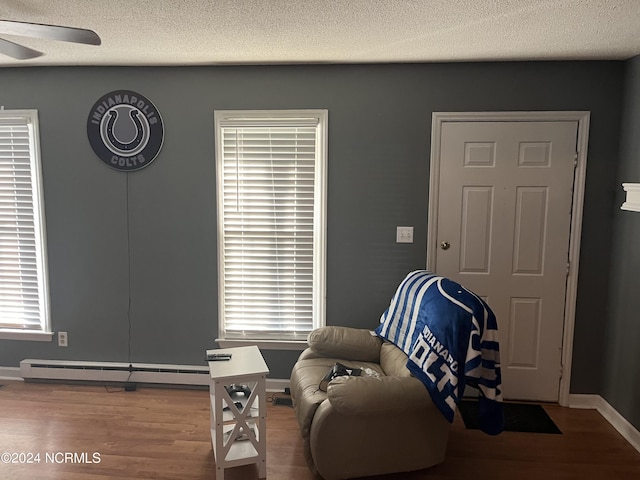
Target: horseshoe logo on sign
[(140, 130)]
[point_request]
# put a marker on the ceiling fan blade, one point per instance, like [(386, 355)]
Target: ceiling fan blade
[(19, 52), (49, 32)]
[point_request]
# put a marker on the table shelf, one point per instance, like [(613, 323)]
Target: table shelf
[(232, 445)]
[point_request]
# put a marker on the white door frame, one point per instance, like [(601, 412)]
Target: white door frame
[(582, 117)]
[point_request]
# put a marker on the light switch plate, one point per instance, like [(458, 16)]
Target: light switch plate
[(404, 235)]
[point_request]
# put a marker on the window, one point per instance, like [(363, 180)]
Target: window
[(24, 305), (271, 174)]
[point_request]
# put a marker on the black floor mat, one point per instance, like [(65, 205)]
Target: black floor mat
[(518, 417)]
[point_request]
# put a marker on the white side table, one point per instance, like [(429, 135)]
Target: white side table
[(238, 433)]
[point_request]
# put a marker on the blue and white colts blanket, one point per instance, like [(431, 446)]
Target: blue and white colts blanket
[(451, 337)]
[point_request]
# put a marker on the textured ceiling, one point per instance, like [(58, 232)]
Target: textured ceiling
[(200, 32)]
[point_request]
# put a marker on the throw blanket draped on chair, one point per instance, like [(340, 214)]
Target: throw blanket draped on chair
[(451, 338)]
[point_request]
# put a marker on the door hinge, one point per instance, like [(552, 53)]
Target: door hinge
[(568, 268), (575, 159)]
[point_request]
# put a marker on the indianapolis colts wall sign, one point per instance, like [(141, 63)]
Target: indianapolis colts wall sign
[(125, 130)]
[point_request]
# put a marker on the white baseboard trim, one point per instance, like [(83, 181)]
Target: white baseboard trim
[(277, 384), (610, 414), (10, 373), (16, 374)]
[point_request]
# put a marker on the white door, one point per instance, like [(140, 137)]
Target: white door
[(503, 226)]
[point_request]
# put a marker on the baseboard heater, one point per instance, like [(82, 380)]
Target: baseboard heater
[(31, 369)]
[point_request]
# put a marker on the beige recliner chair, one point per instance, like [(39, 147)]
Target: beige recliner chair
[(364, 425)]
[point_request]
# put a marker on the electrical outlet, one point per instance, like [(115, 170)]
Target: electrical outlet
[(404, 235), (63, 339)]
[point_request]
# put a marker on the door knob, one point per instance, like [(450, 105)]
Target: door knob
[(445, 245)]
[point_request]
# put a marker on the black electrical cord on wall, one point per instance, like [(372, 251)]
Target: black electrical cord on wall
[(128, 279), (128, 386)]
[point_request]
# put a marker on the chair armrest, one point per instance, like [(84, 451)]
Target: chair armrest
[(366, 395), (345, 343), (308, 353)]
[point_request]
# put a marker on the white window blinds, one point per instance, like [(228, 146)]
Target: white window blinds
[(271, 225), (23, 292)]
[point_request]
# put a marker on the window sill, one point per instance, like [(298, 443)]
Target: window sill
[(263, 344), (633, 197), (24, 335)]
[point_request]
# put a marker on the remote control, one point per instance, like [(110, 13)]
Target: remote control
[(213, 357)]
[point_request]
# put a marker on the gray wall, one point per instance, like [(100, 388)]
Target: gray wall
[(622, 352), (379, 146)]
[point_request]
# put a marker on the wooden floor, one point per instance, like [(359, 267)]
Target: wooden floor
[(164, 434)]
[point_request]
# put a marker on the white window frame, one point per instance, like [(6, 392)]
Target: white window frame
[(41, 332), (228, 118)]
